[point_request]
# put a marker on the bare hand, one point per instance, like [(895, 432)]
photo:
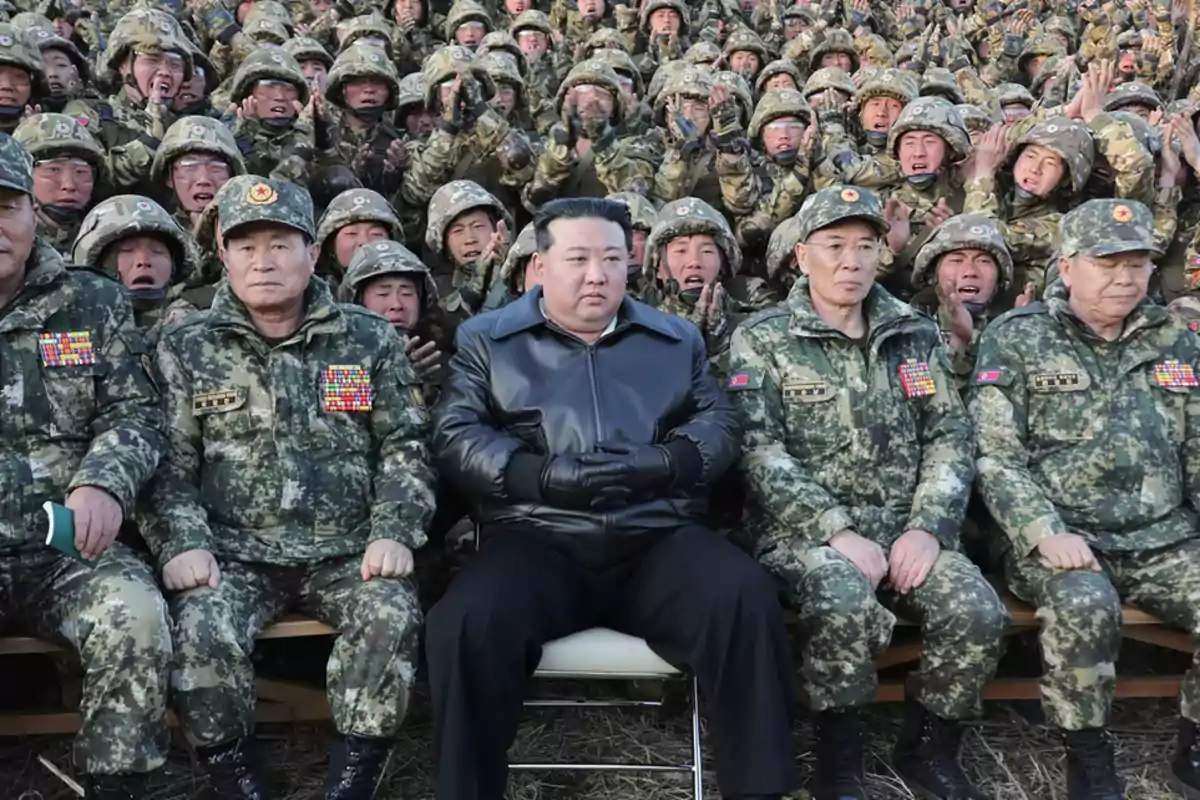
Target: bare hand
[(1027, 296), (961, 320), (864, 554), (191, 569), (249, 108), (720, 94), (939, 213), (1067, 551), (990, 152), (98, 519), (396, 156), (496, 247), (913, 556), (897, 215), (386, 559), (424, 356), (1170, 165)]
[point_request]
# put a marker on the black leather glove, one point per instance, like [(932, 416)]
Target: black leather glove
[(587, 481), (650, 466)]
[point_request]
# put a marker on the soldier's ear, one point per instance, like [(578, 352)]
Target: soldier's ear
[(314, 252), (800, 252), (1065, 266)]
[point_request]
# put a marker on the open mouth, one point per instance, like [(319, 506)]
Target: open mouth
[(277, 109), (371, 102), (142, 282), (188, 97), (693, 280), (920, 168), (472, 254), (164, 87), (1030, 185), (203, 197), (969, 292), (881, 126)]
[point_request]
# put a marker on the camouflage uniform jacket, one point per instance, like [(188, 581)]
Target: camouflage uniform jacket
[(269, 458), (1085, 436), (88, 420), (364, 152), (127, 133), (436, 161), (1031, 233), (285, 155), (838, 434), (693, 172), (60, 237), (921, 202), (624, 166), (761, 195), (962, 364)]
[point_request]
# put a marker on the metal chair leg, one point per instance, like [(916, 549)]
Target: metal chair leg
[(697, 755)]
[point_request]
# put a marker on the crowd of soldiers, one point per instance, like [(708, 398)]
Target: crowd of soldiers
[(944, 258)]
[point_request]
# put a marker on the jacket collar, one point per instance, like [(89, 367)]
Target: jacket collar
[(1146, 315), (526, 313), (882, 311), (321, 314)]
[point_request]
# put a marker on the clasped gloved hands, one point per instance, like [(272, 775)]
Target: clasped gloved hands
[(619, 473)]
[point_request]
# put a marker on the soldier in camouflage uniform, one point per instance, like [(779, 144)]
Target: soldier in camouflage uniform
[(196, 157), (467, 238), (20, 56), (514, 280), (68, 172), (255, 511), (746, 54), (411, 114), (81, 426), (352, 219), (363, 87), (857, 457), (314, 60), (642, 216), (136, 241), (532, 31), (266, 88), (467, 23), (68, 74), (1087, 408), (583, 156)]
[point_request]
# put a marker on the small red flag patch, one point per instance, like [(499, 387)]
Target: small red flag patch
[(988, 376), (741, 379), (1194, 325)]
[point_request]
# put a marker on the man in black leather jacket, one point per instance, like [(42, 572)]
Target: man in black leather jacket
[(587, 433)]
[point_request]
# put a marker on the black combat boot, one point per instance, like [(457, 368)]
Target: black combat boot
[(1185, 766), (132, 786), (926, 756), (1091, 769), (355, 764), (840, 773), (233, 772)]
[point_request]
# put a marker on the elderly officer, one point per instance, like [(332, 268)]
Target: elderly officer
[(858, 458), (1087, 407), (296, 475), (590, 508), (81, 421)]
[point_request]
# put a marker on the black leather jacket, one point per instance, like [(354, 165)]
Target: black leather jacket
[(517, 383)]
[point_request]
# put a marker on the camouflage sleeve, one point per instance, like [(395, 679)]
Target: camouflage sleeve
[(429, 170), (129, 164), (127, 425), (974, 90), (999, 408), (623, 168), (794, 504), (740, 185), (404, 478), (1166, 215), (787, 195), (517, 159), (980, 197), (870, 172), (947, 457), (553, 167), (674, 178), (180, 521), (1191, 265), (1133, 164), (1099, 41)]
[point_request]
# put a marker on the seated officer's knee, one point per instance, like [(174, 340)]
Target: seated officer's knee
[(124, 608), (836, 590), (1082, 600)]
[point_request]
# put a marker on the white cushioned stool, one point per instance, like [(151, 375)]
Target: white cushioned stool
[(604, 654)]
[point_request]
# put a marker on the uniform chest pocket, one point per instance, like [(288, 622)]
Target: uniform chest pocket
[(340, 420), (71, 397), (1171, 404), (1064, 408), (817, 415), (227, 423)]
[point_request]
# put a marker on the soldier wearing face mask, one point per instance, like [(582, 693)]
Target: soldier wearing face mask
[(67, 71), (68, 171), (881, 99), (269, 90)]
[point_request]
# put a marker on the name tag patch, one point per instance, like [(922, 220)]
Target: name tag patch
[(805, 389), (346, 388), (214, 401), (916, 379), (1175, 375), (71, 349), (1056, 380)]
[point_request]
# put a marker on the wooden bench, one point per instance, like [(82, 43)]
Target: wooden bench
[(279, 701)]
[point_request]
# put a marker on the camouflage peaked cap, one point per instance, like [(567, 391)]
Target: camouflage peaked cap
[(780, 66), (502, 43), (702, 52), (605, 38), (446, 64), (305, 48), (250, 198), (976, 119), (411, 92), (386, 257), (1133, 93), (937, 115), (642, 213), (776, 104), (146, 29), (963, 232), (888, 82), (829, 78), (358, 205), (781, 249), (746, 40), (739, 89), (128, 215), (593, 72), (531, 20), (268, 64), (1008, 94), (362, 61), (518, 256), (1071, 140), (453, 200), (48, 39), (466, 11), (196, 134), (46, 136), (622, 64), (678, 6), (836, 41), (16, 167), (940, 82), (17, 49), (1106, 227), (836, 204), (688, 217)]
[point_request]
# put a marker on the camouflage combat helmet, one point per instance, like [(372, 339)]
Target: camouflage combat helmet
[(593, 72), (17, 49), (268, 9), (445, 65), (1070, 140), (687, 217), (502, 43), (267, 64), (386, 257), (678, 6), (1132, 94), (939, 82), (605, 38), (1064, 27), (196, 134), (503, 70), (746, 40), (1046, 74), (410, 92), (1008, 94), (907, 58), (362, 61), (531, 20), (29, 20), (517, 260), (780, 66), (201, 62), (146, 29), (1039, 45), (963, 232), (691, 83), (781, 249), (127, 215), (936, 115), (976, 119), (829, 78), (701, 53), (368, 29), (804, 12), (1149, 137), (357, 205), (775, 104), (836, 41), (1129, 40), (305, 48), (622, 64), (267, 30), (739, 89), (888, 82), (642, 213), (452, 201), (49, 136), (48, 39), (1105, 227), (874, 48), (464, 11), (834, 204), (664, 74)]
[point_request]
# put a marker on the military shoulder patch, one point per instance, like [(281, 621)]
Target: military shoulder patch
[(1173, 374), (68, 349), (916, 379), (216, 401), (346, 388)]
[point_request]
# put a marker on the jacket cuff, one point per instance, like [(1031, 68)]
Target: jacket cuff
[(829, 522), (109, 483), (179, 544), (1035, 532), (945, 530), (523, 477), (687, 465)]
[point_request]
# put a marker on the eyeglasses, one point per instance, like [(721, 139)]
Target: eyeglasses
[(784, 126), (194, 166), (55, 169), (157, 59)]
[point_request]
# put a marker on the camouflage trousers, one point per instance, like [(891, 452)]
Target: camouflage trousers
[(369, 673), (845, 623), (1080, 612), (114, 618)]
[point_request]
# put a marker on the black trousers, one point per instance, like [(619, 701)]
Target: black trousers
[(699, 601)]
